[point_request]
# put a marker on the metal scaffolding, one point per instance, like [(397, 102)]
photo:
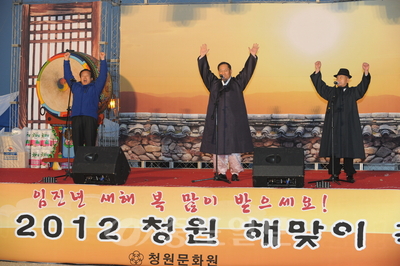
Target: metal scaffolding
[(110, 44), (15, 61), (110, 39)]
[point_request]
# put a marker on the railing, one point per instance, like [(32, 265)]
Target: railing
[(209, 165)]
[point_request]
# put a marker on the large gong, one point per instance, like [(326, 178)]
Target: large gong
[(52, 89)]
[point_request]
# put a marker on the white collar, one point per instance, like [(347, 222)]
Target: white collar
[(226, 83)]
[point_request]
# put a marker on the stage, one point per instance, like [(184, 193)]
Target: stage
[(165, 177), (160, 217)]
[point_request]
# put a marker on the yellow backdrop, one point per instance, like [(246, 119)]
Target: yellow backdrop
[(160, 45)]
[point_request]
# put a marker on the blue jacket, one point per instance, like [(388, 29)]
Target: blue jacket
[(86, 97)]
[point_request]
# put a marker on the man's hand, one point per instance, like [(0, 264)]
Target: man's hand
[(365, 67), (66, 56), (203, 50), (317, 66), (102, 55), (253, 50)]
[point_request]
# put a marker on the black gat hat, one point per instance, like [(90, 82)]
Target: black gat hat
[(344, 72)]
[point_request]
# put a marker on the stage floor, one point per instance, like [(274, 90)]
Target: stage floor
[(185, 177)]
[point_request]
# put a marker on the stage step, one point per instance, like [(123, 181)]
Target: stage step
[(381, 167)]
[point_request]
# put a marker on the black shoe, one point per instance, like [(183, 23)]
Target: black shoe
[(235, 177), (221, 177), (334, 178), (350, 179)]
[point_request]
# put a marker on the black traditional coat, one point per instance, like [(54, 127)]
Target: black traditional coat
[(233, 125), (347, 133)]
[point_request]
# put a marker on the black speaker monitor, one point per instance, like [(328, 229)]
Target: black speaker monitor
[(100, 165), (278, 167)]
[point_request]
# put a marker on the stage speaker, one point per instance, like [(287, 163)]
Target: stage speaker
[(278, 167), (100, 165)]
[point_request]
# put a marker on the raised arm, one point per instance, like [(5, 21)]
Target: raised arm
[(365, 67), (102, 56), (253, 50), (317, 67), (66, 56), (203, 50), (362, 87), (68, 76), (322, 89), (206, 75), (246, 73)]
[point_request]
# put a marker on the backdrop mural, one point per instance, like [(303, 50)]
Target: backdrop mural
[(160, 45)]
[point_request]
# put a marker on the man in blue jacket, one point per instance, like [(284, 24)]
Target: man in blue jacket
[(85, 105)]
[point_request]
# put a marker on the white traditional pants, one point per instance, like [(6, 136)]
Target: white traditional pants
[(226, 162)]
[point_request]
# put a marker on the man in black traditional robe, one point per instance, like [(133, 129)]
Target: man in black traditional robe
[(227, 109), (346, 126)]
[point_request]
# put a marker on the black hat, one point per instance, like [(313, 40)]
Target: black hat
[(344, 72)]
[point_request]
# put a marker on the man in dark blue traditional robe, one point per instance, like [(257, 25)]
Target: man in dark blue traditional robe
[(346, 126), (227, 109)]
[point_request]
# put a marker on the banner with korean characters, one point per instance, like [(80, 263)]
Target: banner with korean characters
[(88, 224)]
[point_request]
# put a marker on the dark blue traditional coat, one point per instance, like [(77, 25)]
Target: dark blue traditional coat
[(347, 135), (233, 125)]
